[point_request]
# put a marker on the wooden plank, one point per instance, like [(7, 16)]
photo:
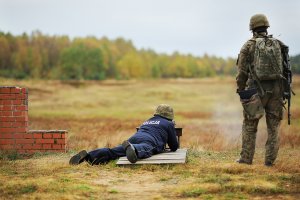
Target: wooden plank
[(163, 158), (141, 162)]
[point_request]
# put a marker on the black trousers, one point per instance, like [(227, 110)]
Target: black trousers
[(144, 149)]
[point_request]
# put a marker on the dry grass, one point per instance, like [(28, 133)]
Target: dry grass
[(98, 114)]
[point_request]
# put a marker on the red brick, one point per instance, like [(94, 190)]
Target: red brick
[(47, 146), (63, 135), (19, 113), (5, 90), (6, 135), (22, 108), (27, 146), (7, 147), (17, 102), (21, 96), (56, 135), (56, 146), (36, 146), (7, 102), (60, 141), (20, 124), (7, 108), (7, 141), (21, 119), (24, 90), (18, 135), (47, 135), (37, 135), (6, 124), (44, 141), (24, 141), (27, 135), (8, 96), (7, 119), (21, 130), (18, 96), (15, 90), (7, 130), (6, 113)]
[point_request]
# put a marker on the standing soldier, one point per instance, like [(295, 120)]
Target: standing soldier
[(260, 81)]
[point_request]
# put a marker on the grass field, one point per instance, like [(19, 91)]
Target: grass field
[(98, 114)]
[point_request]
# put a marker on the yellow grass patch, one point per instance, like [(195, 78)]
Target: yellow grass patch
[(99, 114)]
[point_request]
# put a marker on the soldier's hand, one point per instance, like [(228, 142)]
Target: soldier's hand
[(174, 122)]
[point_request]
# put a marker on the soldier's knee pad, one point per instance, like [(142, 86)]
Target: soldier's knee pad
[(275, 109), (250, 125), (273, 121)]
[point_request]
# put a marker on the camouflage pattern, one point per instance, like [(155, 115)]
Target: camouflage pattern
[(267, 59), (253, 107), (258, 20), (165, 110), (272, 102)]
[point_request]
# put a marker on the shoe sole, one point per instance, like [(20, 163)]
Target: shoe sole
[(78, 158), (130, 152)]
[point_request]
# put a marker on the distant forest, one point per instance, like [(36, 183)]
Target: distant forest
[(42, 56)]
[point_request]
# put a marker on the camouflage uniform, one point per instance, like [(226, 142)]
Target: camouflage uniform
[(272, 102)]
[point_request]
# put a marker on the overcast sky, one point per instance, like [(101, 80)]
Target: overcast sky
[(215, 27)]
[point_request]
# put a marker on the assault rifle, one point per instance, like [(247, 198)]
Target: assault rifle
[(287, 74)]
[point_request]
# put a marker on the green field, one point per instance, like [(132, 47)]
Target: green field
[(104, 113)]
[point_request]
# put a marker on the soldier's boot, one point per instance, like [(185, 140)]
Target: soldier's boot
[(241, 161), (272, 144), (79, 158), (248, 141), (130, 151)]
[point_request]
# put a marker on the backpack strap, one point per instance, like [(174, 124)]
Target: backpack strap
[(257, 81), (251, 71)]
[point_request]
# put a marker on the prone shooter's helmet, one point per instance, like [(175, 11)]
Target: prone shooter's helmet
[(165, 110), (258, 20)]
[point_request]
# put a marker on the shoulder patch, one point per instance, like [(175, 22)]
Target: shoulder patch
[(151, 122)]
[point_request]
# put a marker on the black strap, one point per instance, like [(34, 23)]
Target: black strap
[(257, 81)]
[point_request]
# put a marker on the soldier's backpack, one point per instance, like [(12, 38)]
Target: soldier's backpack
[(267, 59)]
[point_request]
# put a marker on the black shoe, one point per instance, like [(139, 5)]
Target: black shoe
[(241, 161), (78, 158), (130, 151), (268, 164)]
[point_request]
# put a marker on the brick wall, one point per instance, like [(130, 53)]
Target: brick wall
[(14, 133)]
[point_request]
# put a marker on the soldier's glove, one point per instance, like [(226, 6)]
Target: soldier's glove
[(173, 121), (247, 94)]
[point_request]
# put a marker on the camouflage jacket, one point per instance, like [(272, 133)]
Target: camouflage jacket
[(245, 60)]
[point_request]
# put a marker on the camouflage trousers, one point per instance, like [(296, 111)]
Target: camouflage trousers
[(273, 107)]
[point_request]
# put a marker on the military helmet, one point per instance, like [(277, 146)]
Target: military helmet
[(165, 110), (258, 20)]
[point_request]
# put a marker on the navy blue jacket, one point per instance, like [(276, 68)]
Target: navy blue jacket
[(158, 131)]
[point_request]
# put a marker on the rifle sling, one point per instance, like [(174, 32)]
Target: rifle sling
[(257, 81)]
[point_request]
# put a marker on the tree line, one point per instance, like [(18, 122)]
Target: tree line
[(59, 57)]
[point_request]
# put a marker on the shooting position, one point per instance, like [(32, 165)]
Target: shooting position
[(151, 138)]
